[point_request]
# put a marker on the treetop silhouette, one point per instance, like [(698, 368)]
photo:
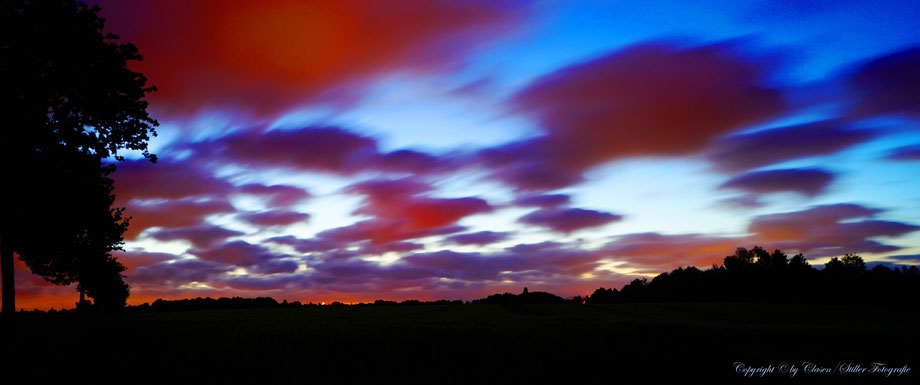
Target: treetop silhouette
[(757, 275), (69, 102)]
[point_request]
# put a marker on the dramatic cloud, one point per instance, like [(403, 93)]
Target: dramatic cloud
[(544, 201), (478, 238), (410, 113), (239, 253), (528, 261), (278, 195), (324, 149), (568, 220), (397, 247), (165, 179), (888, 85), (399, 200), (328, 149), (741, 152), (200, 237), (653, 252), (524, 166), (382, 232), (385, 191), (269, 57), (275, 218), (177, 273), (828, 230), (135, 259), (305, 245), (172, 214), (805, 181), (821, 231), (645, 100)]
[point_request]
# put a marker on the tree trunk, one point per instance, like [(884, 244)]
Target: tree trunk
[(9, 287)]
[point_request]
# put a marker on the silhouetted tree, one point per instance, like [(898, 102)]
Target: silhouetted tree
[(68, 102), (755, 275), (799, 263), (740, 260), (77, 249), (848, 264)]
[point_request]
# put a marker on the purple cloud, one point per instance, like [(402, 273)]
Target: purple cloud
[(741, 152), (906, 153), (200, 236), (543, 201), (275, 217), (278, 195), (479, 238), (238, 253), (568, 220), (821, 231), (805, 181), (888, 85)]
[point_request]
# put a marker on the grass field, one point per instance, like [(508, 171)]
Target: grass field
[(473, 343)]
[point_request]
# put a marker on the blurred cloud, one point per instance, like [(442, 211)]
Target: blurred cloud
[(805, 181)]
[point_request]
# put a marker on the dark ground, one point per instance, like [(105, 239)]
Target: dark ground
[(617, 343)]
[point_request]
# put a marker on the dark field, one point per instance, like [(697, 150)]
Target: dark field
[(470, 343)]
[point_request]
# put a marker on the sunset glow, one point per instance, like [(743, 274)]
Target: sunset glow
[(425, 149)]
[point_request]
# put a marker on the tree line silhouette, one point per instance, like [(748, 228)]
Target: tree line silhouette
[(747, 275), (758, 275)]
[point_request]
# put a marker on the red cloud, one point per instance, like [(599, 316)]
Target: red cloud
[(658, 252), (381, 231), (398, 200), (649, 99), (806, 181), (270, 56)]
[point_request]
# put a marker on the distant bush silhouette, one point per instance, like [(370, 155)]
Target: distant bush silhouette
[(525, 298), (212, 304), (208, 303), (758, 275)]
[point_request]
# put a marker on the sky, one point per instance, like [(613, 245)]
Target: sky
[(430, 149)]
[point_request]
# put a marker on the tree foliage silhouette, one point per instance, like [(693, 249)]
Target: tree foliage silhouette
[(757, 275), (69, 102)]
